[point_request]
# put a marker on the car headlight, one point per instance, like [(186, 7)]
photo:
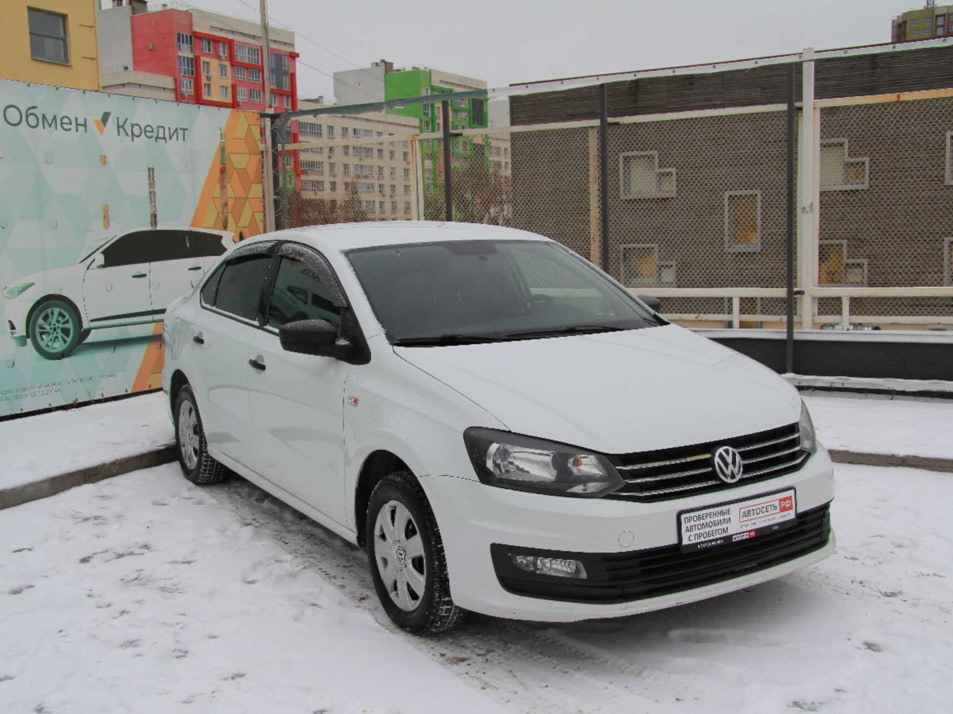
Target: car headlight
[(527, 464), (808, 438), (13, 291)]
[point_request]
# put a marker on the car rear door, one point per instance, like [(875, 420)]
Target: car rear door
[(116, 285), (227, 325)]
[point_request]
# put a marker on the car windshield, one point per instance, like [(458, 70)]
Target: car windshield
[(462, 292)]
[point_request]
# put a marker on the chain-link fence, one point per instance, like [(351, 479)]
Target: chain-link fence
[(694, 199)]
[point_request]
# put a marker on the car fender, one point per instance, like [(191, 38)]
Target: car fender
[(400, 409)]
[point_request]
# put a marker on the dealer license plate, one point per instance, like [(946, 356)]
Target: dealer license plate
[(733, 522)]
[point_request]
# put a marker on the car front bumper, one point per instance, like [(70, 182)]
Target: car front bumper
[(478, 521)]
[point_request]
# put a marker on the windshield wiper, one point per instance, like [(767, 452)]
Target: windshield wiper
[(573, 330), (448, 339)]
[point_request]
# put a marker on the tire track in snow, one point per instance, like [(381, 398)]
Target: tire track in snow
[(527, 666)]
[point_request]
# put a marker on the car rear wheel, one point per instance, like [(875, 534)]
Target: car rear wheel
[(54, 329), (190, 445), (406, 557)]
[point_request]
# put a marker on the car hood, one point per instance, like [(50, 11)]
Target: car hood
[(50, 280), (616, 392)]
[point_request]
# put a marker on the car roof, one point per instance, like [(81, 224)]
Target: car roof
[(344, 237)]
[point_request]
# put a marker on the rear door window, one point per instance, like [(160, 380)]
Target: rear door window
[(240, 286)]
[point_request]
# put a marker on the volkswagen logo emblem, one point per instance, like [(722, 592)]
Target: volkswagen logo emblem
[(728, 464)]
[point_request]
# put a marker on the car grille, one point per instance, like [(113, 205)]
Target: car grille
[(686, 471), (625, 577)]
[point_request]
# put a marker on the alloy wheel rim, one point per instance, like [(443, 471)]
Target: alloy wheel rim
[(399, 552), (54, 328), (189, 435)]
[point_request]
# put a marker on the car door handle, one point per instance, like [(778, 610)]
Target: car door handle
[(196, 267), (257, 363), (140, 275), (198, 339)]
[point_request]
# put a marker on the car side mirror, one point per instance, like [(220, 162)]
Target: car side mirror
[(653, 303), (99, 262), (312, 337)]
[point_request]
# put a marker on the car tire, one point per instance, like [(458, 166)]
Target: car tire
[(190, 445), (54, 329), (406, 557)]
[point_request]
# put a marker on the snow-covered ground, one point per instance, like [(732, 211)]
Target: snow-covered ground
[(145, 594), (874, 424)]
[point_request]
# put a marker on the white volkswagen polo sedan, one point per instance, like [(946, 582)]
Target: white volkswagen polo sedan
[(504, 427)]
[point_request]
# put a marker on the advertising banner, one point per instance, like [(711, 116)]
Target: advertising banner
[(110, 208)]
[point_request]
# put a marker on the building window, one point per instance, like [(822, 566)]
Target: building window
[(743, 220), (279, 70), (839, 171), (255, 95), (206, 45), (834, 267), (185, 87), (247, 54), (254, 76), (206, 89), (641, 266), (223, 50), (187, 66), (206, 68), (242, 94), (223, 71), (238, 73), (345, 151), (184, 41), (641, 177), (307, 127), (48, 36), (330, 131)]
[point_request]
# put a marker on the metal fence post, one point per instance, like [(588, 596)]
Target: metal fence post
[(604, 172), (791, 207), (447, 162), (276, 175), (808, 190)]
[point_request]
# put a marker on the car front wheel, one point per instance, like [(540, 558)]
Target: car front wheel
[(54, 329), (190, 445), (406, 557)]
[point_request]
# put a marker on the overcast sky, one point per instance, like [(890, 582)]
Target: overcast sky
[(510, 41)]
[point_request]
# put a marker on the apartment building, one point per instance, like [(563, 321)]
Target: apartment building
[(926, 23), (359, 161), (189, 55)]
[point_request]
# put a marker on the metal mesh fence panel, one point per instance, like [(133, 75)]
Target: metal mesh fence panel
[(348, 180), (885, 183), (699, 202), (556, 186), (480, 178)]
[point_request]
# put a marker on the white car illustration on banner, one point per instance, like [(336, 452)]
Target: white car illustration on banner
[(129, 279)]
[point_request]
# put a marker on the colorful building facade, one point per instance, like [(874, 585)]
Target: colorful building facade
[(212, 59)]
